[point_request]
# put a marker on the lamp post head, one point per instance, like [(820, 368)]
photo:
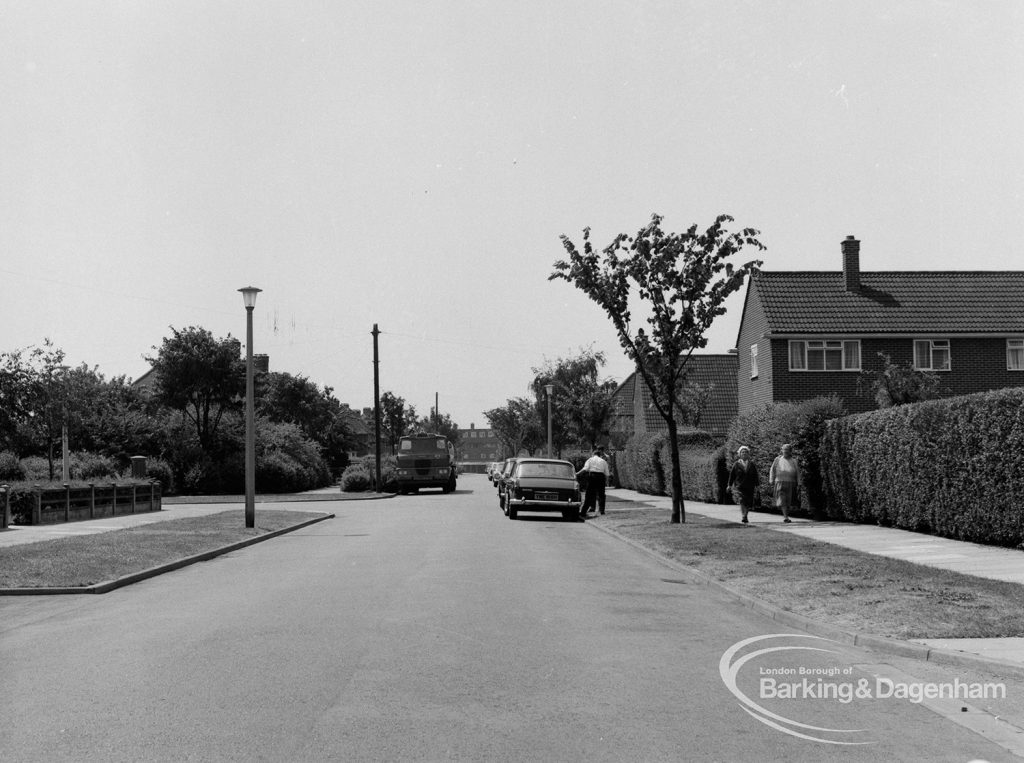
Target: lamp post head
[(549, 388), (249, 296)]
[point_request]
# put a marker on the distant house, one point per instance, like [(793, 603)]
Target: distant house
[(479, 445), (636, 413), (805, 334)]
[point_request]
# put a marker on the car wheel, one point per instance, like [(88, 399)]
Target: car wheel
[(570, 514), (513, 512)]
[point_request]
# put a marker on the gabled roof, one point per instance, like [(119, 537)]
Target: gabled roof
[(951, 302), (717, 370)]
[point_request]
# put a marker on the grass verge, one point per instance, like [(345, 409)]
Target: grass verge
[(831, 584), (85, 560)]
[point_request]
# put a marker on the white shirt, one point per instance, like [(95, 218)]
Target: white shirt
[(597, 464)]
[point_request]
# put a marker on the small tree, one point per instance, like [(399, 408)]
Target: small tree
[(894, 384), (684, 279), (583, 402), (396, 418)]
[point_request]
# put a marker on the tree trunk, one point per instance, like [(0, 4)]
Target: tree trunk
[(678, 507)]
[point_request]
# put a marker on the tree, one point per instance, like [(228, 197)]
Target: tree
[(517, 425), (582, 406), (294, 399), (34, 395), (396, 418), (894, 384), (683, 279), (201, 376), (442, 425)]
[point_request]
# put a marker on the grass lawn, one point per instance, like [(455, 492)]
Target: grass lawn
[(828, 583), (85, 560)]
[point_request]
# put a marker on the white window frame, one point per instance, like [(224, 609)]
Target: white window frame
[(753, 361), (1015, 343), (933, 345), (807, 346)]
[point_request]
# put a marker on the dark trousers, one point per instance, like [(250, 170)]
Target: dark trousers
[(595, 493)]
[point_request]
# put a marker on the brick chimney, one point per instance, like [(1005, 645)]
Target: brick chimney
[(851, 263)]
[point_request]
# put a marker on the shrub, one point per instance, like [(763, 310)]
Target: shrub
[(802, 425), (639, 464), (695, 466), (160, 470), (949, 466), (11, 469), (92, 466), (37, 469), (356, 479)]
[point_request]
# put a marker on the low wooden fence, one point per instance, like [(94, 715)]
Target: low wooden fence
[(74, 504)]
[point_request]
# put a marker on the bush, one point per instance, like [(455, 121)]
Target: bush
[(639, 464), (947, 466), (160, 470), (356, 479), (37, 469), (11, 469), (92, 466), (695, 465), (802, 425)]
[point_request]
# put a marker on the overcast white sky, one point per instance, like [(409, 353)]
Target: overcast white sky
[(413, 163)]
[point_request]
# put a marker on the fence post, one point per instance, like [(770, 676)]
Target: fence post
[(133, 498), (113, 499), (152, 495), (92, 500), (5, 518), (67, 502), (37, 506)]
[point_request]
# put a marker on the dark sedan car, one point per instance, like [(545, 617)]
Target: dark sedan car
[(542, 484)]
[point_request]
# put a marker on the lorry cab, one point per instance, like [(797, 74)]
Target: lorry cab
[(426, 460)]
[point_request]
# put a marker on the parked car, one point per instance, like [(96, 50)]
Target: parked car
[(542, 484), (493, 470), (499, 479)]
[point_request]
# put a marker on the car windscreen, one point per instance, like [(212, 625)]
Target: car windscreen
[(561, 471), (422, 445)]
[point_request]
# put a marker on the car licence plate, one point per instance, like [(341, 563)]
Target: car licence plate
[(547, 496)]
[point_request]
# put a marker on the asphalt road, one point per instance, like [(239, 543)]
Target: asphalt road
[(431, 627)]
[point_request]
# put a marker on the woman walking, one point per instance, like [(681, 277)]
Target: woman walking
[(743, 481)]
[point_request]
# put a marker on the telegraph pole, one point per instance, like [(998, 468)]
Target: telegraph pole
[(376, 408)]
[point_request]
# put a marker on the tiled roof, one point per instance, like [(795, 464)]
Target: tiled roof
[(893, 302), (719, 370)]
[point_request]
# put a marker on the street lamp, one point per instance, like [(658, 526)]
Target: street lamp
[(65, 457), (549, 388), (249, 297)]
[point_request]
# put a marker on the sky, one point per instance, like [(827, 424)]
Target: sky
[(413, 164)]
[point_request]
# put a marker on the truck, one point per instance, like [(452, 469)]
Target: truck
[(426, 460)]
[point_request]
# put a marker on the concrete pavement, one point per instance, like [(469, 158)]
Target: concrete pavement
[(991, 562)]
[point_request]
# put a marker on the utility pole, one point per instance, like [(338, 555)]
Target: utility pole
[(437, 412), (376, 408)]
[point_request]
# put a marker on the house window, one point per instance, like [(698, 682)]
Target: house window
[(1015, 354), (824, 355), (753, 361), (931, 354)]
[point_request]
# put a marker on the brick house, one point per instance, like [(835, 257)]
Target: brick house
[(479, 445), (635, 413), (804, 334)]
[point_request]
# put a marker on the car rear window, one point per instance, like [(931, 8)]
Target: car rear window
[(564, 471)]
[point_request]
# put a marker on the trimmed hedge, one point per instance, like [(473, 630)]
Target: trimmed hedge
[(952, 467), (645, 465), (802, 425)]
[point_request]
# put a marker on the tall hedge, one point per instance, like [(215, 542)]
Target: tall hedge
[(645, 465), (765, 429), (953, 467)]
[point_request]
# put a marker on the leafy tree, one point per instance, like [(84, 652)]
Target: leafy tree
[(582, 407), (691, 401), (442, 425), (201, 376), (517, 425), (287, 398), (895, 384), (396, 418), (683, 279)]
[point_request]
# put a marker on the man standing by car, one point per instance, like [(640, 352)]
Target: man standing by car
[(596, 472)]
